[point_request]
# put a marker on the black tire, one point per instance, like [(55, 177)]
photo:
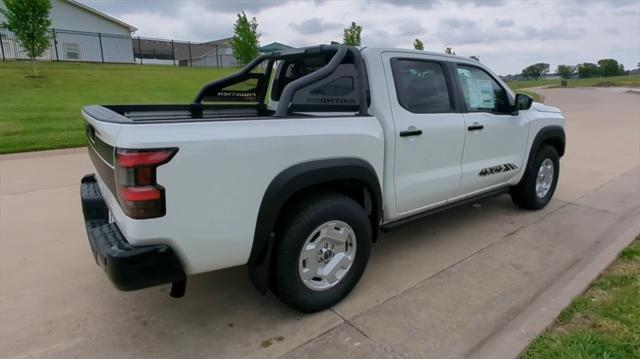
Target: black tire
[(299, 222), (524, 194)]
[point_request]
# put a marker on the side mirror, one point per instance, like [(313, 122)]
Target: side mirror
[(523, 102)]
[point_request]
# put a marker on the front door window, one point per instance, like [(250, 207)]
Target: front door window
[(481, 92)]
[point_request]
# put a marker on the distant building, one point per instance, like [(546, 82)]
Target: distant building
[(274, 46), (516, 77), (551, 76), (216, 53), (81, 34), (219, 53)]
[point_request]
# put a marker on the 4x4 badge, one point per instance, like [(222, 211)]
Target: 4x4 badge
[(497, 169)]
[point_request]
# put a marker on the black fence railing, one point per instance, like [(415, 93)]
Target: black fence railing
[(66, 45)]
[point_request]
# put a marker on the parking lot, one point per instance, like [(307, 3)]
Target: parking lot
[(438, 287)]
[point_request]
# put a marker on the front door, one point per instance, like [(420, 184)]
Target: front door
[(496, 136), (429, 134)]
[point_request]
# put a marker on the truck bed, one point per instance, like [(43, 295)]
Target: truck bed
[(315, 81), (132, 114)]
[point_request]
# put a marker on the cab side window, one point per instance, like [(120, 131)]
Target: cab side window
[(421, 86), (481, 92)]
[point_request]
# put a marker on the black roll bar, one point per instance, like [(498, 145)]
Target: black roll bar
[(231, 79), (290, 89), (361, 80), (324, 72)]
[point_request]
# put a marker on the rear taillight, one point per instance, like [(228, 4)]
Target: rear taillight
[(139, 194)]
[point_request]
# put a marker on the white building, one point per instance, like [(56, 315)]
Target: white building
[(216, 53), (219, 53), (80, 33)]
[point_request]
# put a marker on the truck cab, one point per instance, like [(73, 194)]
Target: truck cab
[(451, 118)]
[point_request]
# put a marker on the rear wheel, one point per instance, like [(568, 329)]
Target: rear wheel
[(322, 250), (539, 182)]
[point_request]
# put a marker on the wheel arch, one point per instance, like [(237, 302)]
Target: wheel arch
[(549, 135), (341, 174)]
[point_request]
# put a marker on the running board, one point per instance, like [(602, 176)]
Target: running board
[(493, 193)]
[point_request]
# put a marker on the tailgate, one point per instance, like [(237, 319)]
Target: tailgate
[(101, 139)]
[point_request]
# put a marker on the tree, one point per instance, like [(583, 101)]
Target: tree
[(610, 67), (588, 69), (29, 21), (475, 58), (566, 71), (351, 36), (449, 51), (246, 39), (418, 45), (535, 71)]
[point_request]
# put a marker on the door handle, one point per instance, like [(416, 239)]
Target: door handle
[(411, 131), (475, 127)]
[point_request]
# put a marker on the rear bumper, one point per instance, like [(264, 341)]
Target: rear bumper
[(129, 267)]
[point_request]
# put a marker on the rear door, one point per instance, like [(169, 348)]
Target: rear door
[(496, 135), (430, 134)]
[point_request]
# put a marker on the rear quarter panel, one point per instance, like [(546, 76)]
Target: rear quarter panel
[(215, 183)]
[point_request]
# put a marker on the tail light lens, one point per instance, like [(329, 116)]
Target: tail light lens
[(140, 196)]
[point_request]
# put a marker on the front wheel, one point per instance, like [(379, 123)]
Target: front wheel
[(540, 180), (322, 250)]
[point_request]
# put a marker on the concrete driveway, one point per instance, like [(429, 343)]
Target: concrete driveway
[(435, 288)]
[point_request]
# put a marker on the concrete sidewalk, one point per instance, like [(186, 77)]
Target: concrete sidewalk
[(437, 288)]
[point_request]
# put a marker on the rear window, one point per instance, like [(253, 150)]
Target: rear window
[(421, 86), (291, 70)]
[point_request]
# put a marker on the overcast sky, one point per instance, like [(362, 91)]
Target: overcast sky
[(507, 35)]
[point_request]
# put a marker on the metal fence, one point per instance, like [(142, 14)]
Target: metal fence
[(66, 45)]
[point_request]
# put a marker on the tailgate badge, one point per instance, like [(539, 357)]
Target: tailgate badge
[(91, 133)]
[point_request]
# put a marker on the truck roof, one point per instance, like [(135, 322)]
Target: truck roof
[(379, 50), (370, 50)]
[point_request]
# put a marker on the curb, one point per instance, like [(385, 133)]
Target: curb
[(513, 338), (46, 153)]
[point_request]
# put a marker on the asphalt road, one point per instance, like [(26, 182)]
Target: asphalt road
[(436, 288)]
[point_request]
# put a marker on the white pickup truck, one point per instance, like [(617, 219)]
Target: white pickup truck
[(295, 163)]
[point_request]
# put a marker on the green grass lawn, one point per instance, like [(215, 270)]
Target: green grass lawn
[(44, 113), (623, 81), (602, 323)]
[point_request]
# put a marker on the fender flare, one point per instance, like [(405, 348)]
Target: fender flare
[(544, 134), (291, 181)]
